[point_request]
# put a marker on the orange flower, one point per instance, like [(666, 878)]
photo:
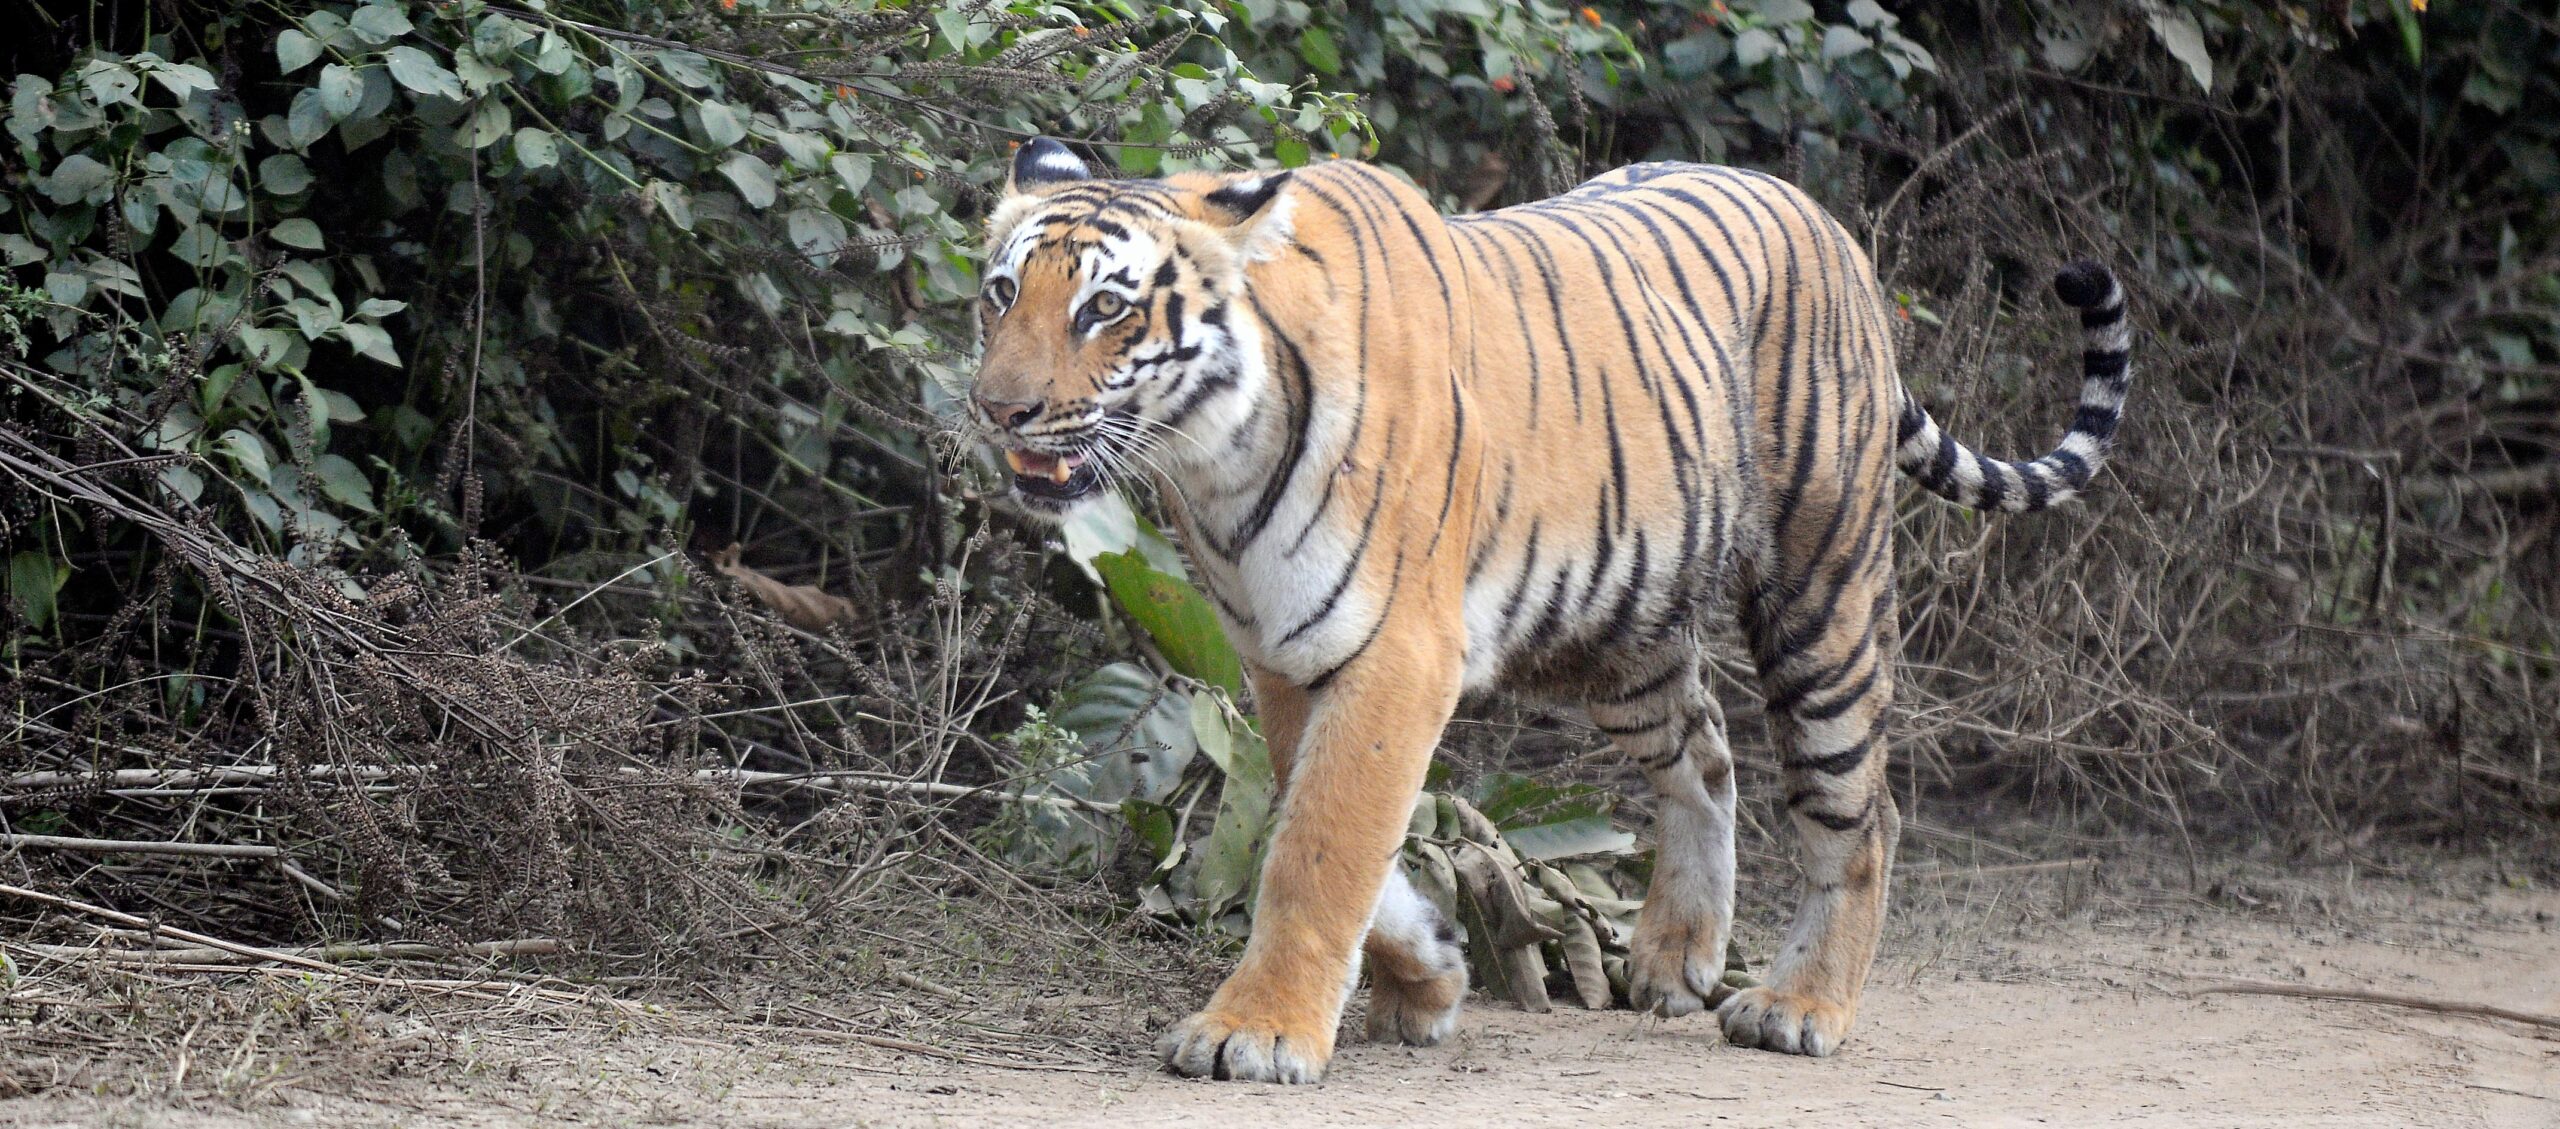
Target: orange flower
[(844, 91), (1591, 16), (1084, 32), (2417, 5), (728, 5), (1902, 311), (1505, 85)]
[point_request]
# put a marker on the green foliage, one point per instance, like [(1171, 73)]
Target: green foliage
[(1485, 100), (405, 218)]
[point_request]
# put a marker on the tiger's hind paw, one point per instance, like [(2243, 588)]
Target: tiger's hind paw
[(1674, 971), (1422, 1013)]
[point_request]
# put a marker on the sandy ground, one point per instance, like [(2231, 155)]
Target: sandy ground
[(1993, 1010)]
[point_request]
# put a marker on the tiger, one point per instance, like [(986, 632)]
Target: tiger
[(1533, 450)]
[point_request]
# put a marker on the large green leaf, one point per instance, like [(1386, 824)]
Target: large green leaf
[(1139, 732), (1232, 855), (1176, 616), (34, 579)]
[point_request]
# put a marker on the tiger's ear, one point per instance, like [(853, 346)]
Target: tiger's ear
[(1043, 161), (1256, 212)]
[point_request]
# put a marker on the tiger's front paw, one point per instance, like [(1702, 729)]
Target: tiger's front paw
[(1786, 1022), (1218, 1044), (1675, 969)]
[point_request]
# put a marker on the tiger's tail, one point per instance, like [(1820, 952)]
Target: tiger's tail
[(1967, 477)]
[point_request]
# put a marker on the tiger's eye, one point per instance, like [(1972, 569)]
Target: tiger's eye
[(1106, 305), (998, 292)]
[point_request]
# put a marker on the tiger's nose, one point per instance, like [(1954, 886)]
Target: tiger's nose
[(1007, 414)]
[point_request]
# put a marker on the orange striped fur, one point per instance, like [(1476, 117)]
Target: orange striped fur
[(1413, 457)]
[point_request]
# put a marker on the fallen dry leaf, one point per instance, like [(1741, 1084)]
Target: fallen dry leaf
[(799, 605)]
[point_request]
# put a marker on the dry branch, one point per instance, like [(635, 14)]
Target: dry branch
[(2387, 999), (183, 781), (140, 847), (487, 990), (397, 950)]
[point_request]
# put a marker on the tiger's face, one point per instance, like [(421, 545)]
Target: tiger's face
[(1113, 339)]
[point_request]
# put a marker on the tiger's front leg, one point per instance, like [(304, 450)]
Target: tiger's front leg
[(1369, 737)]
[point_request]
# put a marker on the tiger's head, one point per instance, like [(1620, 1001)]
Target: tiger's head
[(1113, 341)]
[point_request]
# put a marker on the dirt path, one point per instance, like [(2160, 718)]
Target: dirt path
[(2030, 1022)]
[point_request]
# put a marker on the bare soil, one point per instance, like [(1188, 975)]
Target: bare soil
[(2006, 1001)]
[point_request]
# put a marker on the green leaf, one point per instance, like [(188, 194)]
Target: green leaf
[(297, 232), (109, 84), (721, 124), (1290, 152), (1177, 616), (295, 49), (1843, 41), (537, 148), (687, 68), (379, 23), (817, 233), (1230, 857), (489, 122), (183, 482), (249, 453), (307, 121), (954, 26), (672, 203), (79, 178), (478, 74), (422, 74), (182, 80), (1139, 731), (1754, 46), (341, 90), (264, 347), (2177, 31), (34, 579), (370, 341), (284, 175), (340, 479), (753, 177), (2412, 37), (1316, 46), (852, 170)]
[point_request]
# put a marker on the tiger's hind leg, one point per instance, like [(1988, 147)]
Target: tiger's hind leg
[(1823, 643), (1672, 728), (1417, 973)]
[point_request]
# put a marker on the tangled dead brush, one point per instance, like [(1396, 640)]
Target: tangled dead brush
[(416, 766)]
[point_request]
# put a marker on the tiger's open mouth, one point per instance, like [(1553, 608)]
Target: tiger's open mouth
[(1057, 478)]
